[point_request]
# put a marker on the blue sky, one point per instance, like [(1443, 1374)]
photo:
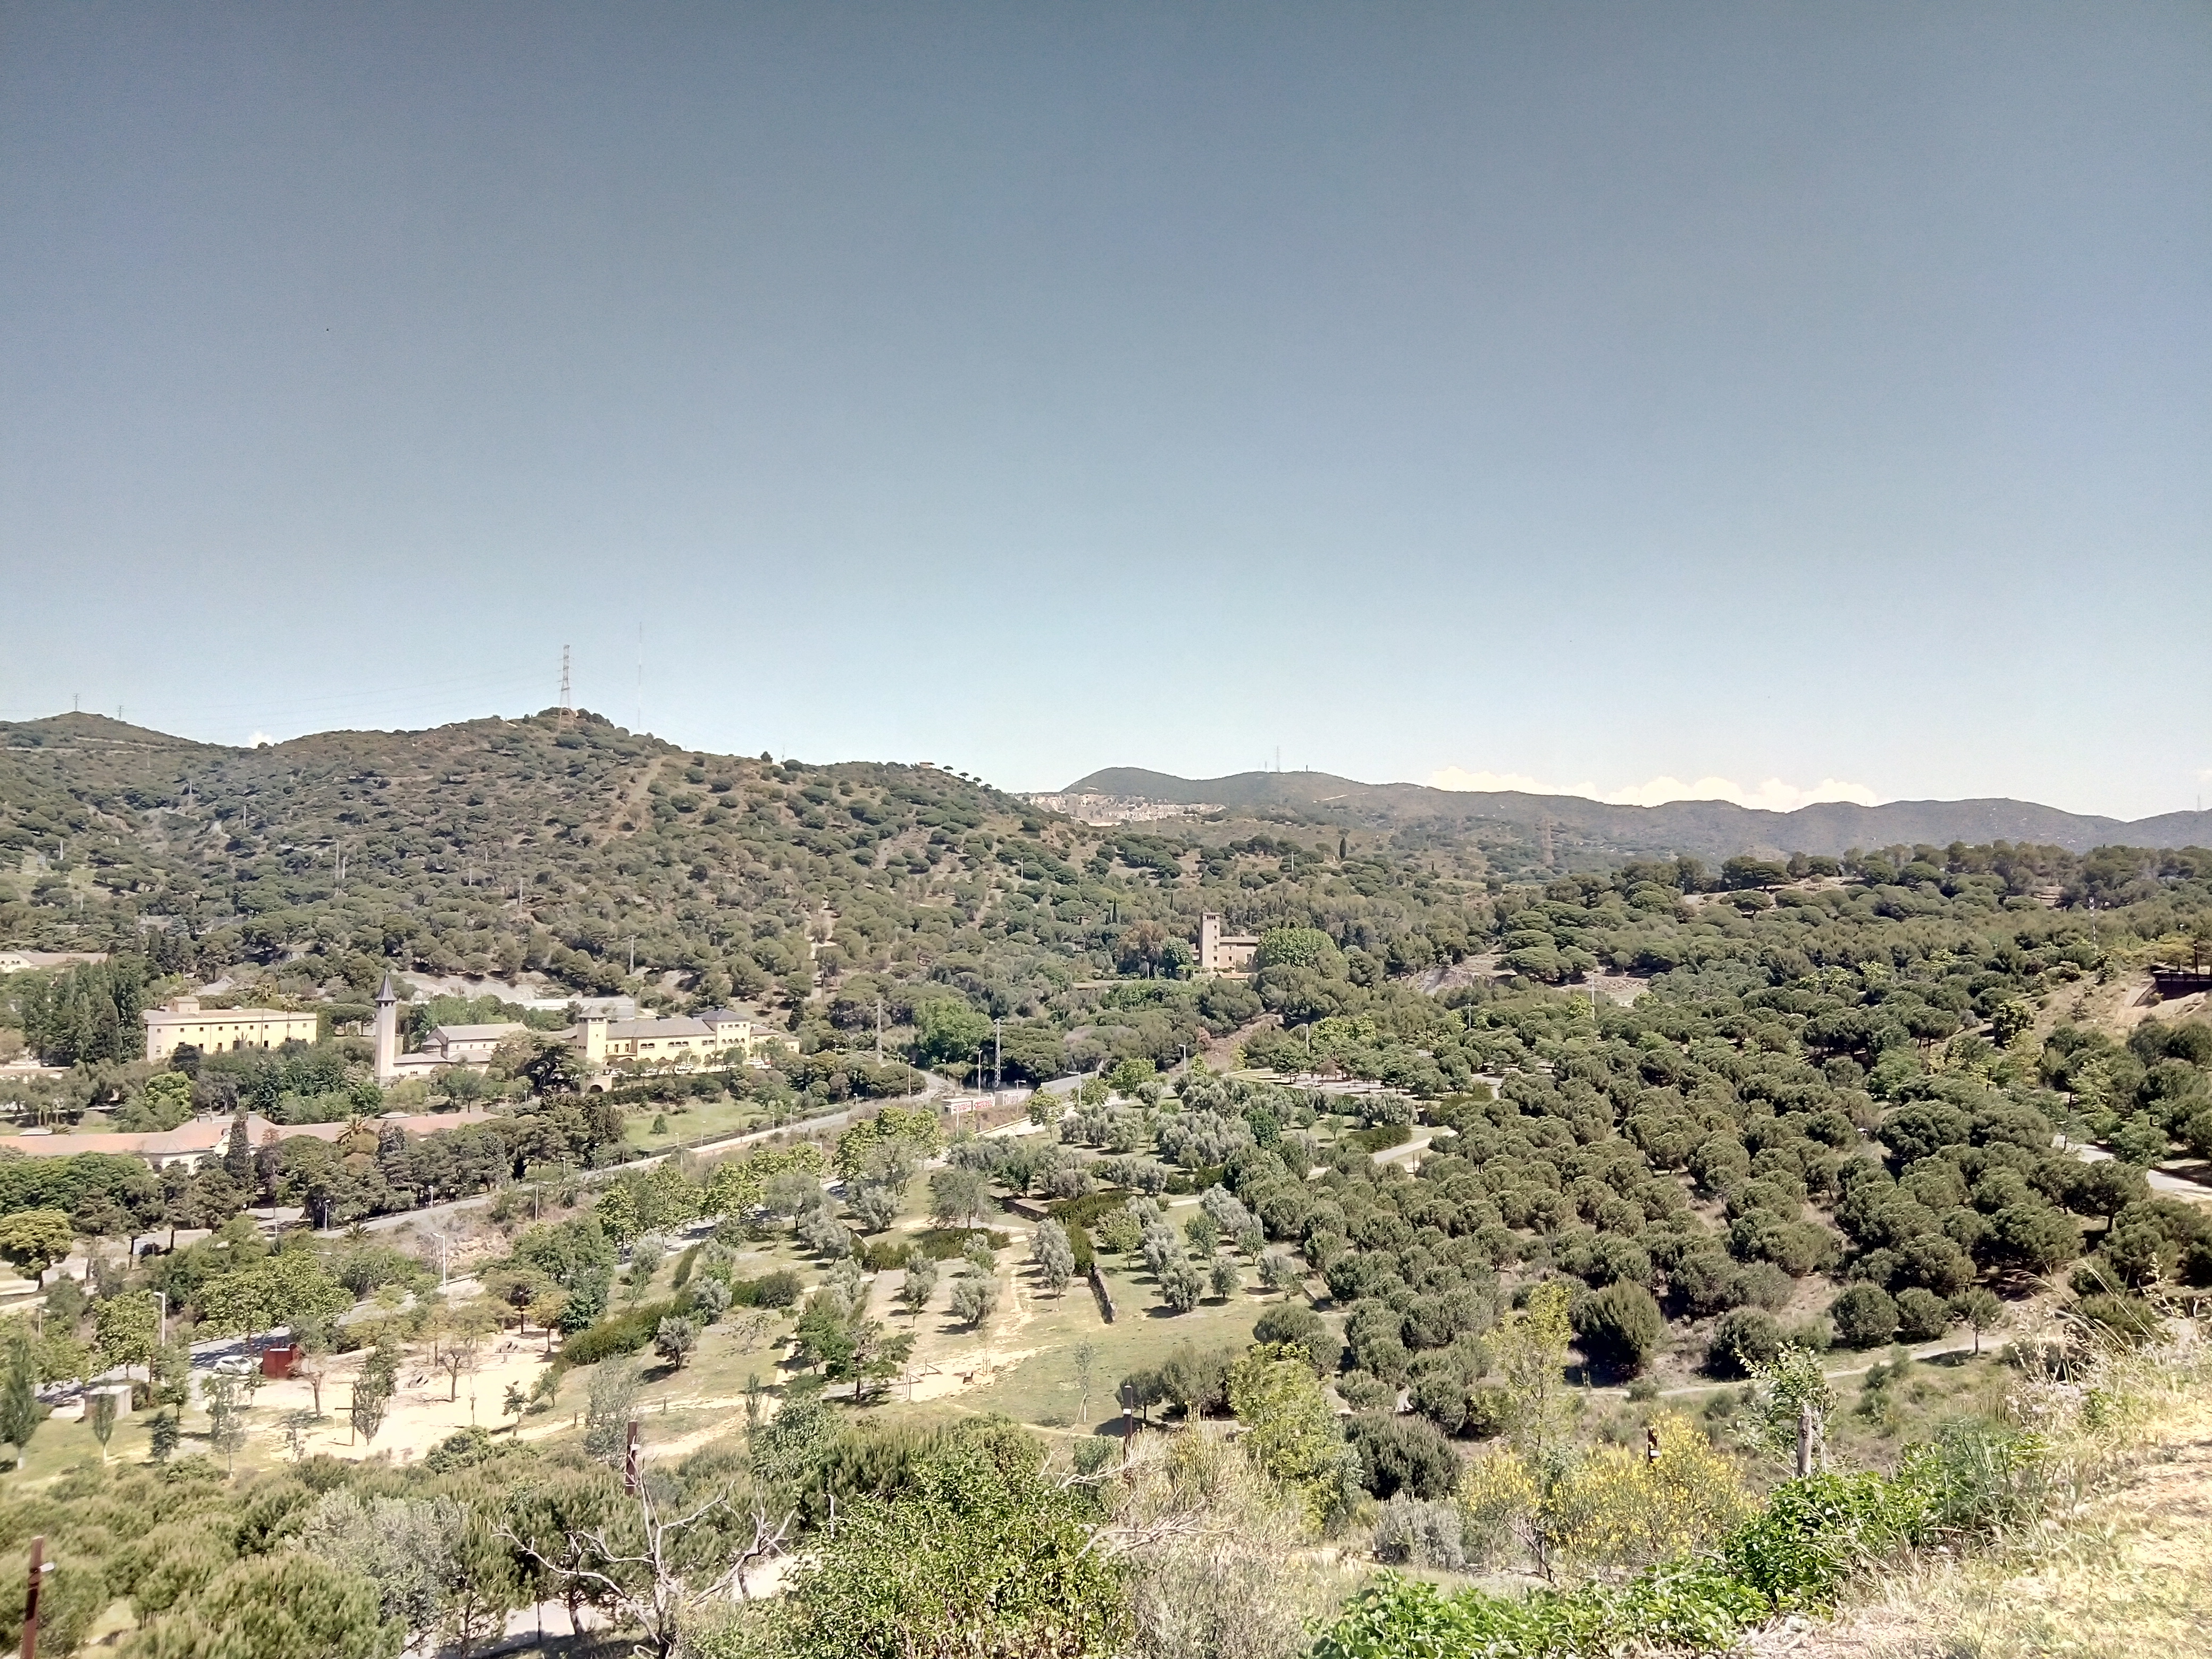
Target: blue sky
[(1582, 395)]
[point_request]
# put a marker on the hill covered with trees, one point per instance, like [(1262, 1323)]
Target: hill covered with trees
[(1589, 830), (1659, 1126), (605, 860)]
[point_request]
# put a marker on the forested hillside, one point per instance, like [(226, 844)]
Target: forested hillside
[(603, 860), (1587, 832), (1662, 1136), (492, 847)]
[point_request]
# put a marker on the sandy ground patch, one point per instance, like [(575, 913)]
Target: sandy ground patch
[(420, 1414)]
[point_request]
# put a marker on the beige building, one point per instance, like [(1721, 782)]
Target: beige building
[(446, 1045), (184, 1021), (662, 1041), (731, 1029), (191, 1144), (1224, 953), (22, 962), (469, 1045)]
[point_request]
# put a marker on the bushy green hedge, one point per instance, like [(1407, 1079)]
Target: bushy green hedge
[(938, 1243), (780, 1289), (625, 1333), (1196, 1180), (1796, 1553), (1380, 1138), (1089, 1209)]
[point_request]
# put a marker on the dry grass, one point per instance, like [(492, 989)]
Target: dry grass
[(2121, 1569)]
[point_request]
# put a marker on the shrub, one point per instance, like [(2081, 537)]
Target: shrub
[(1620, 1328), (1489, 1412), (1090, 1209), (780, 1289), (938, 1243), (2129, 1318), (1865, 1315), (1923, 1315), (1404, 1454), (1744, 1337), (1978, 1475), (1618, 1508), (1410, 1532), (620, 1333), (1364, 1391), (1380, 1138), (1813, 1532), (1294, 1322)]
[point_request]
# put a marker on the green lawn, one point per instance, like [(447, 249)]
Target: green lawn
[(64, 1441), (1045, 1389), (689, 1119)]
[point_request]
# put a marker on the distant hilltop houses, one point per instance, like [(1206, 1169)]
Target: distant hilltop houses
[(1087, 808)]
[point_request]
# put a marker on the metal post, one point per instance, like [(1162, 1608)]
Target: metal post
[(631, 1480), (1805, 1440), (31, 1598)]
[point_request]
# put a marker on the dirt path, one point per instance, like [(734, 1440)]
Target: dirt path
[(632, 797)]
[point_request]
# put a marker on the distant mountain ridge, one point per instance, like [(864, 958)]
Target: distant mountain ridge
[(1706, 827)]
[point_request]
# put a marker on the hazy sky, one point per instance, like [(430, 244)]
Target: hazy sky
[(1585, 394)]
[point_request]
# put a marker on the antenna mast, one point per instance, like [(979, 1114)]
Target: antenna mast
[(568, 709)]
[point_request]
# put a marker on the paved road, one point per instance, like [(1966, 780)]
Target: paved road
[(432, 1214), (435, 1214), (2169, 1186)]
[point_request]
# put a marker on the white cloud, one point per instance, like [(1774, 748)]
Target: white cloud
[(1453, 777), (1773, 795), (257, 739)]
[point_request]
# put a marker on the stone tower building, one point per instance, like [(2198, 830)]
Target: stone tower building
[(387, 1032)]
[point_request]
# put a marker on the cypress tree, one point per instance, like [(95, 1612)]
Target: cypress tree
[(238, 1153), (19, 1400)]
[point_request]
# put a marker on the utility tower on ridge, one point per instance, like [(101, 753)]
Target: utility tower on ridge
[(567, 706)]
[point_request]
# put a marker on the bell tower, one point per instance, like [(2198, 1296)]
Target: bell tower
[(387, 1031)]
